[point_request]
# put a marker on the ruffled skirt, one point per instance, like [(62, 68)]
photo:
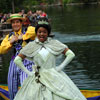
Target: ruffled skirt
[(51, 85)]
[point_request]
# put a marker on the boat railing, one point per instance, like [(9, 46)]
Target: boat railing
[(5, 28)]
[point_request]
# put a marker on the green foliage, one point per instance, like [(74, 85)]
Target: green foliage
[(6, 5), (50, 1), (66, 1), (70, 1), (29, 2)]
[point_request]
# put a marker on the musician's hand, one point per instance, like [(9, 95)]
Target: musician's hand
[(13, 39), (20, 37)]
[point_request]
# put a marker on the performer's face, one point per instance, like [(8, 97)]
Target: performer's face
[(16, 25), (42, 34)]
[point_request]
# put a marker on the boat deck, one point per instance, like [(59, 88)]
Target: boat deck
[(86, 92)]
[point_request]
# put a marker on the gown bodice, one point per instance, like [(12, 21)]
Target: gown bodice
[(44, 58)]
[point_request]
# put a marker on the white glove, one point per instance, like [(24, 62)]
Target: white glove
[(69, 56), (18, 61)]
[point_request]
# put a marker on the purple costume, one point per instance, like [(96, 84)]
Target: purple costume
[(15, 75)]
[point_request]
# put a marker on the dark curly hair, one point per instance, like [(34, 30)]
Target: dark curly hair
[(43, 22)]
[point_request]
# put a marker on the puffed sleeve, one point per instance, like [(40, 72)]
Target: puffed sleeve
[(30, 33), (5, 45)]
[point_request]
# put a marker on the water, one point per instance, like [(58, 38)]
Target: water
[(79, 28)]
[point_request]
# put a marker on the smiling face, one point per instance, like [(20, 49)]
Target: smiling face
[(16, 25), (42, 34)]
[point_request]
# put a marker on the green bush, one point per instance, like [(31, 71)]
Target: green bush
[(70, 1)]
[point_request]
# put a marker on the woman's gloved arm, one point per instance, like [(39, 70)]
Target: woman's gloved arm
[(69, 56), (18, 61)]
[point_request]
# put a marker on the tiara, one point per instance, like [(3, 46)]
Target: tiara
[(43, 22)]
